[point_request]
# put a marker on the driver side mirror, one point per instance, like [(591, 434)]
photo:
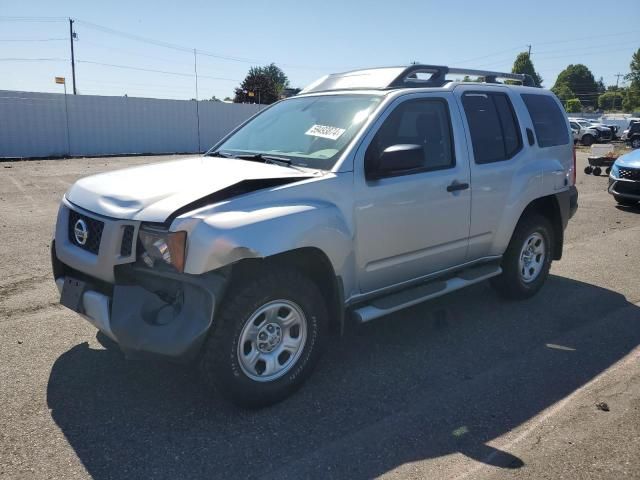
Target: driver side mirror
[(396, 160)]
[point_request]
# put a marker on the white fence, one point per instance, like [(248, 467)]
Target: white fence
[(48, 124)]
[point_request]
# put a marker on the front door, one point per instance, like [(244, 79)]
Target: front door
[(413, 223)]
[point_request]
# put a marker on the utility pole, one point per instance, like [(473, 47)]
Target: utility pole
[(72, 35), (195, 69), (615, 95), (529, 50)]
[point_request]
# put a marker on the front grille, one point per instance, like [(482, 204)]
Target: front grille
[(94, 231), (126, 247), (605, 134), (629, 173), (630, 188)]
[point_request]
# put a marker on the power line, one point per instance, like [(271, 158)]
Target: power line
[(486, 56), (16, 59), (588, 38), (32, 39), (586, 48), (183, 48), (166, 72), (32, 19), (600, 52), (135, 53)]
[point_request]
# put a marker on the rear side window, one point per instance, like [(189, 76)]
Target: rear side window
[(548, 120), (494, 129)]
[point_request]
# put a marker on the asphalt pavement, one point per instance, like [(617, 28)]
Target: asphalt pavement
[(466, 386)]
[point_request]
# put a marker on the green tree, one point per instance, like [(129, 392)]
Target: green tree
[(262, 84), (563, 92), (611, 100), (634, 69), (574, 105), (631, 102), (581, 82), (523, 64)]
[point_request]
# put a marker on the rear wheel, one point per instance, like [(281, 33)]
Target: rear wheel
[(269, 336), (635, 142), (587, 140), (526, 262), (627, 202), (597, 171)]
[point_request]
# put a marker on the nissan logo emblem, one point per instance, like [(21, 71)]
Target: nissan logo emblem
[(81, 232)]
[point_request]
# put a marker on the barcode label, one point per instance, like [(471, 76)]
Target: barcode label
[(323, 131)]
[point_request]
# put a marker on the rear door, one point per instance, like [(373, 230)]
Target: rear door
[(504, 173)]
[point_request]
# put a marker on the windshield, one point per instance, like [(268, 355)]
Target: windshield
[(309, 131)]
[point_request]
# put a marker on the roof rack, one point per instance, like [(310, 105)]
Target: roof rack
[(406, 77)]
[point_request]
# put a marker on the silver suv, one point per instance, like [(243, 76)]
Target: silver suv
[(369, 192)]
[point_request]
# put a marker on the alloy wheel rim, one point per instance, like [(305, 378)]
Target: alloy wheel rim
[(272, 340), (532, 257)]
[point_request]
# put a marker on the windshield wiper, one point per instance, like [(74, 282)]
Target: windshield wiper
[(218, 153), (256, 157), (259, 157)]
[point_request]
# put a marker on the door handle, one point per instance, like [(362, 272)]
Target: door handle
[(530, 136), (455, 186)]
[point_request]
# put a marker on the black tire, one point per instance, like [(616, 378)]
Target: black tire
[(627, 202), (510, 284), (597, 171), (220, 366), (635, 142), (608, 170), (588, 169), (587, 140)]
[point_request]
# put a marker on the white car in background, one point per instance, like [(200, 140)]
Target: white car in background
[(584, 135), (603, 133)]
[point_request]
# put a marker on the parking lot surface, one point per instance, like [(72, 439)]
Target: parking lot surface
[(467, 386)]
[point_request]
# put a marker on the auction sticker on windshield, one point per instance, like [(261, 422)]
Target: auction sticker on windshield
[(332, 133)]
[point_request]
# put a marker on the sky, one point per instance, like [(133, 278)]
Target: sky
[(306, 39)]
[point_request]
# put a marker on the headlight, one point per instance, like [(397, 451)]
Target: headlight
[(163, 247), (615, 171)]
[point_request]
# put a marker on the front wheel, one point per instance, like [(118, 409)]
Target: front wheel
[(635, 142), (587, 140), (526, 262), (267, 339)]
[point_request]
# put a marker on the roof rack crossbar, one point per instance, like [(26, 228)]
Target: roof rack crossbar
[(490, 77), (406, 77), (438, 73)]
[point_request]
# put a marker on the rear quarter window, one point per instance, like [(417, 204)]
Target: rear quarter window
[(548, 120)]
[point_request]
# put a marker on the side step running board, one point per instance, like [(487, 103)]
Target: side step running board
[(417, 294)]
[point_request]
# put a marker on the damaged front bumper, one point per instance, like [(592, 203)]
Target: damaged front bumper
[(147, 311)]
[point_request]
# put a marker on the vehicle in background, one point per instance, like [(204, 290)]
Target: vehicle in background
[(581, 134), (603, 133), (614, 128), (624, 179), (632, 135), (625, 134)]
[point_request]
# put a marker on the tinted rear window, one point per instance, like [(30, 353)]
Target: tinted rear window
[(548, 120), (495, 134)]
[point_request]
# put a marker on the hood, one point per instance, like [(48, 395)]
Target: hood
[(152, 193), (630, 160)]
